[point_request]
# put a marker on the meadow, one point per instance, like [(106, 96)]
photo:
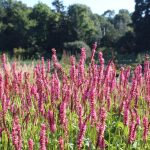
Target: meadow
[(50, 106)]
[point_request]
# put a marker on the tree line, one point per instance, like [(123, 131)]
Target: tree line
[(33, 31)]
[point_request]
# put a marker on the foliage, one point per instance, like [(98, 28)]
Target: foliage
[(141, 20), (15, 24), (39, 28), (74, 48), (126, 44), (82, 23)]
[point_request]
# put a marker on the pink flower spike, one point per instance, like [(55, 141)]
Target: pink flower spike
[(31, 144)]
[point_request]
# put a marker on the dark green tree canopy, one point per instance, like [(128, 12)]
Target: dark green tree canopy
[(39, 28), (83, 23), (141, 24), (59, 7), (14, 24)]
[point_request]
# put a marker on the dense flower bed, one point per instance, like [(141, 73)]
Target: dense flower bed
[(47, 107)]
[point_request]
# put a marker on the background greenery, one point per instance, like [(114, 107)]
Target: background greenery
[(29, 32)]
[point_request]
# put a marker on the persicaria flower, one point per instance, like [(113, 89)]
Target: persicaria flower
[(101, 59), (43, 139), (102, 115), (54, 57), (61, 143), (62, 113), (92, 105), (95, 45), (5, 103), (126, 115), (138, 120), (4, 58), (81, 135), (102, 126), (83, 55), (132, 132), (80, 114), (51, 121), (145, 132), (30, 144), (16, 134)]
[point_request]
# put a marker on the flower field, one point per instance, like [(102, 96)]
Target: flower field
[(80, 107)]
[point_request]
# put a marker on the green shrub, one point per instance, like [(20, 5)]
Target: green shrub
[(18, 52), (74, 48)]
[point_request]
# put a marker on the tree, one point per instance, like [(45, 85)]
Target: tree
[(81, 23), (115, 27), (60, 28), (109, 14), (122, 21), (59, 7), (39, 34), (14, 24), (109, 33), (141, 22)]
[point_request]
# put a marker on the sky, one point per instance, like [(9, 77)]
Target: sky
[(97, 6)]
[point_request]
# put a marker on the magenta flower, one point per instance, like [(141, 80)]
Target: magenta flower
[(43, 139), (146, 127), (30, 144), (61, 143), (51, 121), (81, 134), (62, 114), (101, 130), (92, 105), (16, 134), (132, 132), (126, 115), (93, 51)]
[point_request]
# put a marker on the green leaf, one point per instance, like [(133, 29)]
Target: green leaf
[(126, 131), (70, 145), (135, 145), (4, 140), (120, 125)]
